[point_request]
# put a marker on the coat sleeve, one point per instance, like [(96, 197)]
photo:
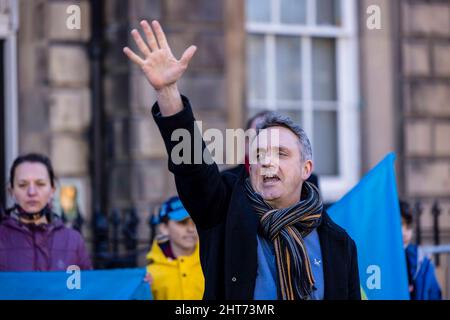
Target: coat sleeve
[(198, 180), (354, 288)]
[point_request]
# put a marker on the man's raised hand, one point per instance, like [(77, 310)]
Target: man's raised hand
[(161, 68)]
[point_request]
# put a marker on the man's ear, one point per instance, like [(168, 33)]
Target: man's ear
[(307, 168)]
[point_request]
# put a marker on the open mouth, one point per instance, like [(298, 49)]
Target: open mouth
[(270, 178)]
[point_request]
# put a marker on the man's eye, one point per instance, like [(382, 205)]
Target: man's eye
[(260, 155)]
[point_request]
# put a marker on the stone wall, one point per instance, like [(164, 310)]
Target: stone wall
[(425, 46), (425, 80), (377, 85), (54, 94), (137, 162)]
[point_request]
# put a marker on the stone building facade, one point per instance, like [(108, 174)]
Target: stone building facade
[(54, 94), (406, 89), (425, 99), (403, 95)]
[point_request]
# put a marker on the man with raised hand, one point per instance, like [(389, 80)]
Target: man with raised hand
[(265, 236)]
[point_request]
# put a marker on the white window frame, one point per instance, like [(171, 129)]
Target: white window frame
[(347, 79), (9, 9)]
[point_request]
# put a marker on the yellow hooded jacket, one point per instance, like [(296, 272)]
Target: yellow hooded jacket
[(175, 279)]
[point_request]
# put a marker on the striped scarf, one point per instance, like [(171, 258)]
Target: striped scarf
[(286, 228)]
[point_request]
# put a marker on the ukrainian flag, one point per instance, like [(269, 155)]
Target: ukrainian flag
[(114, 284), (370, 213)]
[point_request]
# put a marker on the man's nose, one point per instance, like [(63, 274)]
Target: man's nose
[(268, 161), (266, 164)]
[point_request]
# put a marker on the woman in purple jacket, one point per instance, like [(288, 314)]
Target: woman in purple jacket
[(32, 237)]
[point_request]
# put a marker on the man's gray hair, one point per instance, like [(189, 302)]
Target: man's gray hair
[(275, 119)]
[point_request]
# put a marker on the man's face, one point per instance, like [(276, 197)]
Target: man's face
[(279, 172), (182, 234)]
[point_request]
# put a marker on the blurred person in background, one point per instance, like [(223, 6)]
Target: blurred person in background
[(32, 236), (174, 271), (423, 284)]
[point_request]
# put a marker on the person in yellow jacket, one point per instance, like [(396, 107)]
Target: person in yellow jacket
[(174, 269)]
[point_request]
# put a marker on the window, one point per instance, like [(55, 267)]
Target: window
[(302, 62)]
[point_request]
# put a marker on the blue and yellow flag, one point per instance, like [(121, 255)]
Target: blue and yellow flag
[(370, 213), (116, 284)]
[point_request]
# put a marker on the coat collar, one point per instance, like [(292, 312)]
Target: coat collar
[(14, 223), (156, 255)]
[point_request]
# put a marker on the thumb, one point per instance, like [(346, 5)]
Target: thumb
[(187, 55)]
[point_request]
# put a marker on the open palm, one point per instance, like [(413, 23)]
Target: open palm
[(159, 65)]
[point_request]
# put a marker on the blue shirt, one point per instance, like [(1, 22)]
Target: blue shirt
[(267, 280)]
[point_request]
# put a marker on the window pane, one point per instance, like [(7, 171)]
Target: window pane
[(288, 68), (253, 111), (328, 12), (324, 69), (325, 149), (258, 10), (256, 60), (295, 115), (293, 11)]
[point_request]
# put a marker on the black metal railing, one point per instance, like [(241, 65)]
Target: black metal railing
[(116, 240), (435, 212)]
